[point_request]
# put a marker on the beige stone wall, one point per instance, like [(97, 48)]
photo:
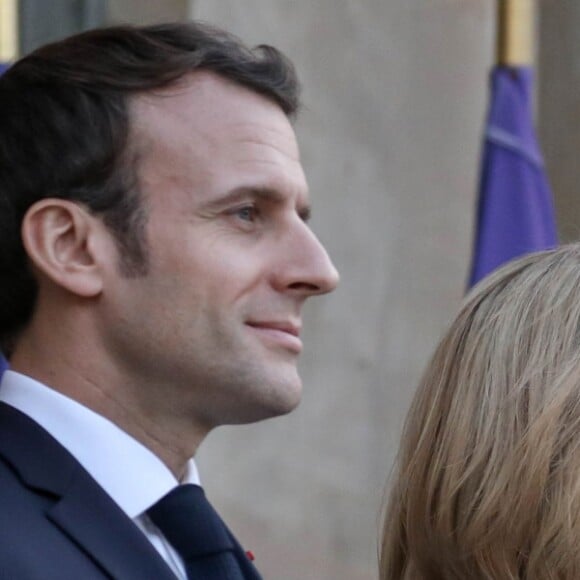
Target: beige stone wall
[(395, 95), (147, 11), (559, 108)]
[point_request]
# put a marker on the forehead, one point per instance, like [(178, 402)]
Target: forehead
[(210, 123)]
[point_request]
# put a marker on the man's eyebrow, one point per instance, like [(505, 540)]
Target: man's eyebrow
[(266, 194)]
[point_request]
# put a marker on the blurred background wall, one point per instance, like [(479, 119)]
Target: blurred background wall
[(559, 107), (395, 97)]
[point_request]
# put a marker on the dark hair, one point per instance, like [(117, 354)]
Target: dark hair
[(65, 124)]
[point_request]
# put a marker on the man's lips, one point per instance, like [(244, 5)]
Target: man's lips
[(286, 334)]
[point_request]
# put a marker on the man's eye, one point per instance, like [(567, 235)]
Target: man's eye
[(248, 213)]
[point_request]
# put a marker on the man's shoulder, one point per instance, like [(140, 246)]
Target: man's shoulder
[(33, 470), (30, 454), (46, 535), (23, 509), (29, 542), (57, 522)]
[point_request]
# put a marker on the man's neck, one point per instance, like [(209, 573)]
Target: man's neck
[(173, 438)]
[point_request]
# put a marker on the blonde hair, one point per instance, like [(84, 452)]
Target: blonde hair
[(487, 484)]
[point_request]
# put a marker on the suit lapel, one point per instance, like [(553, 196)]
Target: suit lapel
[(81, 509), (98, 525)]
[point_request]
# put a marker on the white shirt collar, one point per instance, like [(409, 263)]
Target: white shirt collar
[(127, 470)]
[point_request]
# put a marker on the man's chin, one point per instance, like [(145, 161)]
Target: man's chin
[(275, 403), (277, 408), (286, 406)]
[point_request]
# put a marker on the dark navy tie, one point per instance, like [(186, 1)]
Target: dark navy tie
[(197, 533)]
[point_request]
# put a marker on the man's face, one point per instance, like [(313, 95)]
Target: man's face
[(212, 330)]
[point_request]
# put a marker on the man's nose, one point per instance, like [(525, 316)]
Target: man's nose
[(305, 266)]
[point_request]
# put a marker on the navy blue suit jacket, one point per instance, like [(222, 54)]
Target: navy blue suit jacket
[(57, 523)]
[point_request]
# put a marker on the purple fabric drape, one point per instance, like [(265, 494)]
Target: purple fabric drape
[(516, 210)]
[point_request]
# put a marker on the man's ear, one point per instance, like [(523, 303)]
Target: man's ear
[(61, 239)]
